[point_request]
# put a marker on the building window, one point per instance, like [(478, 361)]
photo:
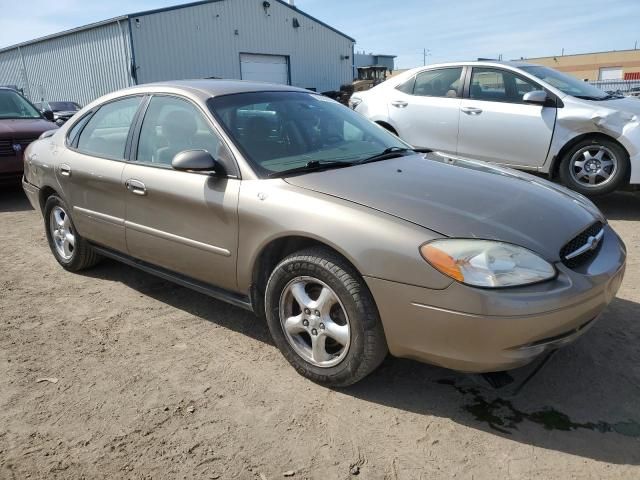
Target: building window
[(610, 73)]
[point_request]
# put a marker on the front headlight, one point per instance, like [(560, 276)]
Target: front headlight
[(486, 263)]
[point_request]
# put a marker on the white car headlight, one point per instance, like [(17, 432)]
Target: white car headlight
[(487, 263)]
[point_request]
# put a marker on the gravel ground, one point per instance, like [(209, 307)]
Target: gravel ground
[(150, 380)]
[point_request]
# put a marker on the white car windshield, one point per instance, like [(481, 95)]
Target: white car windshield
[(567, 84), (282, 131)]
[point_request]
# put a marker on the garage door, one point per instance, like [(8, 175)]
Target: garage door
[(264, 68)]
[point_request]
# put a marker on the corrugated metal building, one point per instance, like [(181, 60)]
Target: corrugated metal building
[(243, 39)]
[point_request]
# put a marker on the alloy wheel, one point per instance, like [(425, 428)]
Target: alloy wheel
[(593, 166), (314, 321), (62, 232)]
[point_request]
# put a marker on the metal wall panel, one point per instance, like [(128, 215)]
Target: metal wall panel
[(206, 41), (79, 66)]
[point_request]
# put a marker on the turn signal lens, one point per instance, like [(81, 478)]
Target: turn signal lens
[(442, 261), (486, 263)]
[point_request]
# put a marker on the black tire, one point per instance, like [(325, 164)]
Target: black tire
[(367, 347), (619, 176), (83, 255)]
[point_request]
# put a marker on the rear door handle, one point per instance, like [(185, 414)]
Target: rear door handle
[(399, 104), (471, 110), (136, 187), (65, 170)]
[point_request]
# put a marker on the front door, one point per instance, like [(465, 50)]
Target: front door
[(186, 222), (497, 126), (91, 172), (425, 110)]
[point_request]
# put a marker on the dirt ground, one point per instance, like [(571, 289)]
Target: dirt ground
[(157, 381)]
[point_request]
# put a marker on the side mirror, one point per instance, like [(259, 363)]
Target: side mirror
[(196, 161), (48, 114), (537, 97)]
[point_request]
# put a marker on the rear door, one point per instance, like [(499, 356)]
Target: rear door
[(425, 110), (91, 171), (185, 222), (497, 126)]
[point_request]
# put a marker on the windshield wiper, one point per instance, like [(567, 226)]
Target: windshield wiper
[(312, 166), (387, 153)]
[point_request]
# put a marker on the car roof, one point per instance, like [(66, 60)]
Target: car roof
[(481, 63), (207, 88)]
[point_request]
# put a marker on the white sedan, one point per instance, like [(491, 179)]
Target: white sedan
[(520, 115)]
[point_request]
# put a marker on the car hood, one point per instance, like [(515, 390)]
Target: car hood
[(463, 198), (24, 128), (626, 104)]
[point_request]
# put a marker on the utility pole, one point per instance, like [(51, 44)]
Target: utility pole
[(425, 52)]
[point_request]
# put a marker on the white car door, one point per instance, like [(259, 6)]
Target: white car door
[(425, 110), (497, 126)]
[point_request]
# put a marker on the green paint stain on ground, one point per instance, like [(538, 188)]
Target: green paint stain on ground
[(502, 416)]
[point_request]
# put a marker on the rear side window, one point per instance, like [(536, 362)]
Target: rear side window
[(443, 82), (105, 135), (407, 87)]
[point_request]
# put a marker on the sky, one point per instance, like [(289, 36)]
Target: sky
[(449, 30)]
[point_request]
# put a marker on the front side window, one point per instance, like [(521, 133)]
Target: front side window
[(281, 131), (495, 85), (443, 82), (105, 135), (172, 125), (14, 106)]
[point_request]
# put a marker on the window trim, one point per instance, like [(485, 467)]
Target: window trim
[(232, 171), (553, 99), (414, 78), (89, 115)]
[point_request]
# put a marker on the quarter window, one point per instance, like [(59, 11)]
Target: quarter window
[(496, 85), (172, 125), (105, 135)]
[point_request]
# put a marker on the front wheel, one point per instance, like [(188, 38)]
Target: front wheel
[(595, 167), (323, 318)]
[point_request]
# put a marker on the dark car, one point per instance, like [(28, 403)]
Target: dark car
[(62, 111), (20, 124)]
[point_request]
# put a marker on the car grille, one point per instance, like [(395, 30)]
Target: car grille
[(6, 148), (578, 242)]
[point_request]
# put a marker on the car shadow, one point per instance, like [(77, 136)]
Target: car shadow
[(13, 199), (583, 402), (182, 298), (620, 205)]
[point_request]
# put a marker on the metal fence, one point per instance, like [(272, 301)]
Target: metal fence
[(624, 86)]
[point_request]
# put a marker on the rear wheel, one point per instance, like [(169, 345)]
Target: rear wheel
[(71, 251), (323, 319), (595, 167)]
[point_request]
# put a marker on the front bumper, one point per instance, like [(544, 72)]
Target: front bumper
[(11, 169), (483, 330)]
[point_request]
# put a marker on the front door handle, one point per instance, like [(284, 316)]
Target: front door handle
[(136, 187), (471, 110), (65, 170), (399, 104)]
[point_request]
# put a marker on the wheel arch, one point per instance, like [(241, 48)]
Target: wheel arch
[(387, 126), (45, 192), (272, 253), (557, 160)]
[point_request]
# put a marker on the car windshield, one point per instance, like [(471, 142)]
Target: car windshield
[(567, 84), (13, 105), (64, 106), (282, 131)]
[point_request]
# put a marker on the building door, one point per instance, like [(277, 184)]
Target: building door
[(610, 73), (264, 68)]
